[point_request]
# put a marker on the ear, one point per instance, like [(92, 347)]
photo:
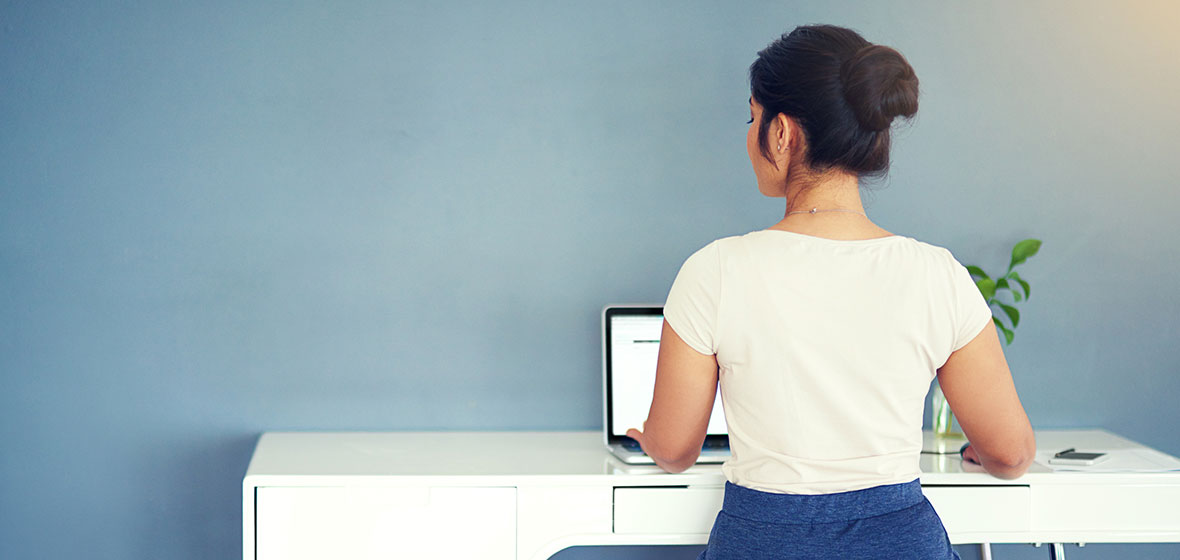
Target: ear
[(783, 133)]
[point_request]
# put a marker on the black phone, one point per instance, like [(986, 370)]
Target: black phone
[(1076, 458)]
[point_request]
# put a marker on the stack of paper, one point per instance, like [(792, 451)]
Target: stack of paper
[(1124, 460)]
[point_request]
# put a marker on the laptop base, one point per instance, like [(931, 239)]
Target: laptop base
[(637, 457)]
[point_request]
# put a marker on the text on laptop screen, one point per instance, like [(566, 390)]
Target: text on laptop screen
[(635, 345)]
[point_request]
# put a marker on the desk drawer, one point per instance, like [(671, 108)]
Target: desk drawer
[(963, 509), (1117, 507), (974, 509), (376, 522), (676, 509)]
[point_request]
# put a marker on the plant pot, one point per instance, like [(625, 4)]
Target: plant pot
[(942, 420)]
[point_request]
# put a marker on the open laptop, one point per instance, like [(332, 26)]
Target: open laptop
[(630, 346)]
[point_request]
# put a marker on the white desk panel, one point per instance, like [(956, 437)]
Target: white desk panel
[(566, 490)]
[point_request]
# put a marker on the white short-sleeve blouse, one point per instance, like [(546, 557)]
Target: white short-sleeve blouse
[(826, 351)]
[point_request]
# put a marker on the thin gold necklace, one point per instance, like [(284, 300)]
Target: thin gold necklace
[(817, 211)]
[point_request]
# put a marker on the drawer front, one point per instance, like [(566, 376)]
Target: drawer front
[(963, 509), (305, 523), (975, 509), (676, 510), (1121, 507)]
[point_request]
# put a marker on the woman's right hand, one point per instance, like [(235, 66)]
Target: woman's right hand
[(980, 390), (970, 456)]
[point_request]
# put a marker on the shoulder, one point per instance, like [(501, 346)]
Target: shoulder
[(710, 262), (933, 254), (726, 243), (718, 248), (744, 244)]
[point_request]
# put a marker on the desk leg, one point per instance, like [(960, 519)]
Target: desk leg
[(985, 551), (1057, 551)]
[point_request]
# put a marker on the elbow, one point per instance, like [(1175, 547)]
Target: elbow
[(1012, 463), (1009, 468), (678, 464), (672, 452), (676, 461)]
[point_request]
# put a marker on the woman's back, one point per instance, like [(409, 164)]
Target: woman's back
[(826, 350)]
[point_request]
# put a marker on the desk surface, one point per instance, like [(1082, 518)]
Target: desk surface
[(567, 490), (569, 455)]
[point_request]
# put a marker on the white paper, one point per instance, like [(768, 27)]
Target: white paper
[(1124, 460)]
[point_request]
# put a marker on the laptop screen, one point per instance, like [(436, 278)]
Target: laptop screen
[(632, 345)]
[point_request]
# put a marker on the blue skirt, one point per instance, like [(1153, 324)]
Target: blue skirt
[(884, 522)]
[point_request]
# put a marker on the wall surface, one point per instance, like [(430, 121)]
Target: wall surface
[(223, 218)]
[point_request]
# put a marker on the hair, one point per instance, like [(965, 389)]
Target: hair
[(843, 91)]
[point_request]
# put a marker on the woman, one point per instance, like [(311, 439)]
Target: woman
[(825, 331)]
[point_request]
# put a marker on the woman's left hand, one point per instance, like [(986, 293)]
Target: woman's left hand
[(637, 436)]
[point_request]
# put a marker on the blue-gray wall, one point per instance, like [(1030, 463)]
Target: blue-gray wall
[(222, 218)]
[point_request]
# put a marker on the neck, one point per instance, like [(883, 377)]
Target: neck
[(830, 191), (839, 211)]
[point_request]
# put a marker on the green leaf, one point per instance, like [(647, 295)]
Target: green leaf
[(1012, 313), (987, 287), (1002, 283), (1022, 283), (1023, 250), (976, 271), (1008, 334)]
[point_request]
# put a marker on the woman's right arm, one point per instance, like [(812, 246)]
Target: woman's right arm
[(979, 388)]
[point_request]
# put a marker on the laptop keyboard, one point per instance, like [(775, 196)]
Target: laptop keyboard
[(632, 445)]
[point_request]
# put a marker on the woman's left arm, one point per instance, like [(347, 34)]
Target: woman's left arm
[(686, 386)]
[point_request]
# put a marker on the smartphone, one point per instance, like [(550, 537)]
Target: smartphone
[(1077, 459)]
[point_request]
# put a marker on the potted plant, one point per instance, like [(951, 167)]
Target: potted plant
[(992, 289)]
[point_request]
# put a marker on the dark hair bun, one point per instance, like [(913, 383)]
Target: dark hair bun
[(879, 85), (842, 90)]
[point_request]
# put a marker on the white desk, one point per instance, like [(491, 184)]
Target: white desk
[(528, 495)]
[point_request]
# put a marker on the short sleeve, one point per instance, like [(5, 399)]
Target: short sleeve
[(691, 308), (971, 311)]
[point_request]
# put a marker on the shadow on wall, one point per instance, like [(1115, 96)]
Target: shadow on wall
[(203, 487)]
